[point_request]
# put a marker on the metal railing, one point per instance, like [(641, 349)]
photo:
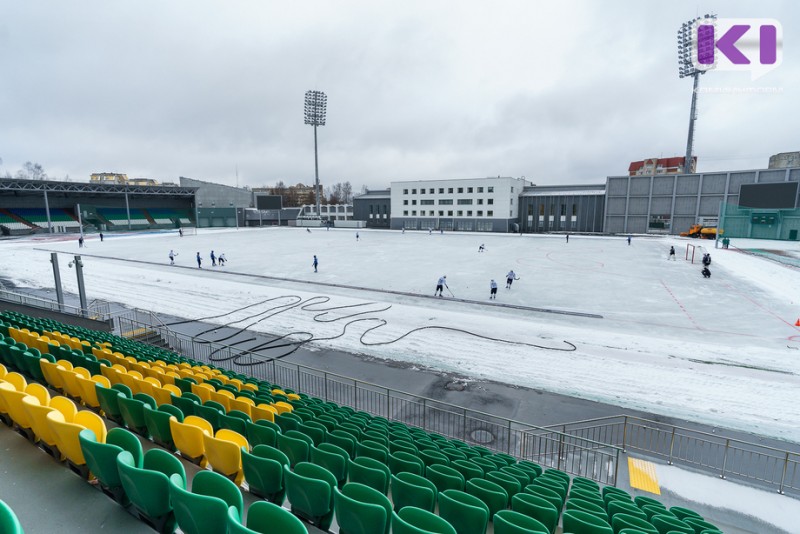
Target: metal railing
[(97, 310), (728, 458), (577, 456)]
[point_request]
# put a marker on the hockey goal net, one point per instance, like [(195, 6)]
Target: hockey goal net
[(692, 251), (188, 230)]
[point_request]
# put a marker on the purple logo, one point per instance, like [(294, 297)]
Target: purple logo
[(754, 45)]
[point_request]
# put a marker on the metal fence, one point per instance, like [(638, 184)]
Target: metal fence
[(728, 458), (97, 310), (577, 456)]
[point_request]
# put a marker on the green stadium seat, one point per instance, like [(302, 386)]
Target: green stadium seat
[(362, 510), (491, 493), (370, 472), (578, 522), (538, 508), (101, 458), (204, 509), (511, 522), (466, 513), (410, 489), (309, 489), (263, 471), (334, 459), (411, 520), (264, 518), (148, 486)]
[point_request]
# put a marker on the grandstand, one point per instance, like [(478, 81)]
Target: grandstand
[(119, 217), (10, 224), (59, 218), (98, 401), (24, 206)]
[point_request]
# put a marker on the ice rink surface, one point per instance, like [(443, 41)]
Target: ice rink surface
[(722, 351)]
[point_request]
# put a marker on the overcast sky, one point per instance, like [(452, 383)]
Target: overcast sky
[(561, 92)]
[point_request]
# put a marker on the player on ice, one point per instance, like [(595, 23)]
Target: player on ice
[(510, 277), (199, 261), (440, 285), (172, 255), (493, 287), (356, 236), (706, 272), (213, 259), (672, 253), (481, 248), (315, 263), (221, 259)]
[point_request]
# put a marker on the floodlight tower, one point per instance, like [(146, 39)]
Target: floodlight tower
[(316, 102), (688, 52)]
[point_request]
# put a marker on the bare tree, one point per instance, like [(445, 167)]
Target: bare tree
[(347, 193), (31, 171)]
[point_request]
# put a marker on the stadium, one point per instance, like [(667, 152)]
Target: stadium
[(458, 349)]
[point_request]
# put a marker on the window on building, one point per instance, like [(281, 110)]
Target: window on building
[(430, 190), (552, 209), (469, 213), (460, 189), (530, 209), (449, 213), (414, 213), (480, 190), (574, 210), (469, 190), (563, 210), (511, 201), (405, 202), (426, 202), (446, 201), (490, 189), (413, 202), (490, 213), (441, 190), (480, 213), (370, 209), (405, 191), (405, 212), (464, 201), (384, 209), (510, 213), (413, 191), (512, 188), (541, 210), (480, 201), (441, 213), (430, 213), (450, 190), (490, 201), (460, 213)]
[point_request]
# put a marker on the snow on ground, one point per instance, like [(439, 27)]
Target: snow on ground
[(713, 491), (722, 351)]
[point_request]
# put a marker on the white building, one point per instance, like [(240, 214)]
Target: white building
[(475, 204)]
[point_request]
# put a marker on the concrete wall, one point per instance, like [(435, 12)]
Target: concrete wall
[(672, 203), (210, 195)]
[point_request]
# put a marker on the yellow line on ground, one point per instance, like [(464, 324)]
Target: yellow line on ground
[(643, 475)]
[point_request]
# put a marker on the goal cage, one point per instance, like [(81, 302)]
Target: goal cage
[(691, 250), (188, 230)]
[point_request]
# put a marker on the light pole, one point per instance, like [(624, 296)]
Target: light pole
[(81, 286), (316, 102), (689, 52)]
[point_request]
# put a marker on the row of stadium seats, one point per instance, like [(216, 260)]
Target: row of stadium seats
[(119, 216), (12, 224), (38, 217), (329, 459)]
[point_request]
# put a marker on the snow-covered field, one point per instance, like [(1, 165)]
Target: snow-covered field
[(722, 351)]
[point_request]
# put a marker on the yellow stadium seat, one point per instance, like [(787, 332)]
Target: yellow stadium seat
[(69, 379), (203, 391), (283, 407), (88, 391), (243, 404), (263, 411), (188, 437), (16, 380), (224, 453), (40, 426), (66, 436)]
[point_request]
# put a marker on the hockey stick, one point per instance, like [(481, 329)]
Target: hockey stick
[(448, 290)]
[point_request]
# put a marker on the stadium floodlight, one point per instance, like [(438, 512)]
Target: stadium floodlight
[(316, 102), (688, 50)]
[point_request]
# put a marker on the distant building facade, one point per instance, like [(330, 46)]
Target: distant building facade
[(374, 207), (784, 160), (656, 166), (569, 208), (109, 178), (474, 205)]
